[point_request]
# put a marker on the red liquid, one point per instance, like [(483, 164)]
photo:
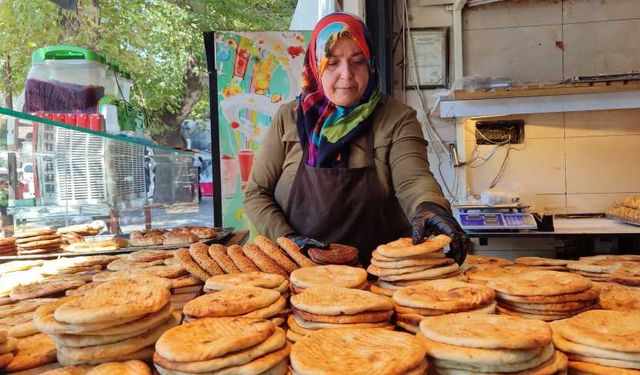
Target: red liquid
[(240, 65), (245, 160), (82, 120)]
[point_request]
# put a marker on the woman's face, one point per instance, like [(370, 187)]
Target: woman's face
[(346, 75)]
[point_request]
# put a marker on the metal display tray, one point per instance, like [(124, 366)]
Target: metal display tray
[(222, 234)]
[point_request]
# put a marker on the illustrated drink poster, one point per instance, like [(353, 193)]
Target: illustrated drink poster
[(257, 72)]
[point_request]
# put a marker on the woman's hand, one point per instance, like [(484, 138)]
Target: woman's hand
[(432, 219), (306, 243)]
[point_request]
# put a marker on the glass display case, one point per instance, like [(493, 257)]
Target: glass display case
[(53, 175)]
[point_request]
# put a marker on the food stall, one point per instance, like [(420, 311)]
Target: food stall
[(108, 269)]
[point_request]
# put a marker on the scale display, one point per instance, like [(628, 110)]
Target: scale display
[(496, 221)]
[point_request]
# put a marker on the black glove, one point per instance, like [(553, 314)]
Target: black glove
[(306, 243), (432, 219)]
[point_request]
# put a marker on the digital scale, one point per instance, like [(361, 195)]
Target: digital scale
[(481, 217)]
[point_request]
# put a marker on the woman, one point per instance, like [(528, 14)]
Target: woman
[(345, 163)]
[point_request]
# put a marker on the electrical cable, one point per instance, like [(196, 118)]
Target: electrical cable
[(428, 127)]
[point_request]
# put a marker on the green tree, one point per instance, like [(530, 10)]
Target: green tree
[(158, 41)]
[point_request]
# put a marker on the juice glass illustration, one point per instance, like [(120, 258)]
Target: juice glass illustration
[(229, 171), (245, 161), (241, 62)]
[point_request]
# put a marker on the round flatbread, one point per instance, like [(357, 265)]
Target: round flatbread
[(588, 295), (433, 273), (256, 279), (540, 283), (546, 354), (586, 368), (404, 247), (336, 275), (46, 323), (571, 347), (271, 344), (481, 275), (367, 317), (209, 338), (49, 286), (9, 345), (596, 266), (404, 263), (33, 351), (231, 302), (116, 299), (132, 367), (483, 260), (276, 308), (370, 351), (539, 261), (120, 348), (331, 300), (604, 329), (149, 255), (486, 331), (444, 295), (622, 298), (334, 254)]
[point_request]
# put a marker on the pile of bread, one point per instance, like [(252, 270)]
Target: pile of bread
[(204, 261), (400, 263), (627, 210), (176, 236), (466, 343)]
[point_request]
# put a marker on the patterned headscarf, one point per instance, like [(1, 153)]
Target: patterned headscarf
[(328, 130)]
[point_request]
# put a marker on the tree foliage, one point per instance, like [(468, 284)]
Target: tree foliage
[(158, 41)]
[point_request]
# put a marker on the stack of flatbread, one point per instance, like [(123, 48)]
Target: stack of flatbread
[(400, 263), (38, 241), (227, 346), (359, 351), (548, 264), (7, 246), (544, 295), (258, 279), (85, 265), (329, 306), (246, 301), (31, 353), (482, 275), (481, 343), (158, 263), (131, 367), (598, 269), (7, 346), (117, 320), (619, 297), (336, 275), (600, 342), (439, 297), (17, 318)]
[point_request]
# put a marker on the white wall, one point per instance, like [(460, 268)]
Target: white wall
[(570, 162)]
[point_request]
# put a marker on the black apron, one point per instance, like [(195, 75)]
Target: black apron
[(346, 205)]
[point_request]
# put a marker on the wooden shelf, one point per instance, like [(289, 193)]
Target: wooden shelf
[(558, 98), (565, 89)]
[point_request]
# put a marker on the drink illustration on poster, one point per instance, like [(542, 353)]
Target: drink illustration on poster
[(256, 73)]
